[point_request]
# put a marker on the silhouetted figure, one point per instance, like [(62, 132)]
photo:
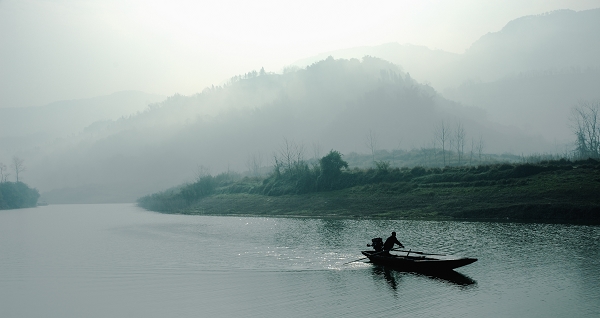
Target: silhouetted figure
[(389, 243)]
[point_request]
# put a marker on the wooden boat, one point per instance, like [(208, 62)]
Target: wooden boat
[(418, 261)]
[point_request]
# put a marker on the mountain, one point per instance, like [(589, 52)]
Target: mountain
[(538, 102), (532, 72), (422, 63), (556, 40), (71, 116), (529, 74), (331, 104), (23, 129)]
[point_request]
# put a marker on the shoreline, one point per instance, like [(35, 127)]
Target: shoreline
[(567, 196), (490, 220), (244, 205)]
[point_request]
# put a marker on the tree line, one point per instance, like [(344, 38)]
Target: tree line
[(16, 195), (292, 174), (447, 147)]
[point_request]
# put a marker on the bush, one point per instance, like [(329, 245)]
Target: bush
[(16, 195)]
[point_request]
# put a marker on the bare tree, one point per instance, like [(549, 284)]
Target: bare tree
[(290, 155), (371, 143), (398, 149), (201, 172), (254, 163), (277, 165), (479, 148), (317, 150), (299, 153), (286, 153), (3, 172), (585, 125), (17, 164), (472, 151), (459, 135), (434, 147), (442, 134)]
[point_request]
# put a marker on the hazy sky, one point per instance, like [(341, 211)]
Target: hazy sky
[(54, 50)]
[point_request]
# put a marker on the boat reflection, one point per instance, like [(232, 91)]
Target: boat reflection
[(391, 276), (387, 274), (453, 277)]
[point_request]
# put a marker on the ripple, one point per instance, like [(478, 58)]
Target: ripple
[(107, 261)]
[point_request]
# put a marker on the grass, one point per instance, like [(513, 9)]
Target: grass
[(548, 195)]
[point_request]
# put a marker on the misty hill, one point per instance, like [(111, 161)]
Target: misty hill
[(424, 65), (557, 40), (332, 104), (529, 74), (29, 127), (534, 70), (536, 102)]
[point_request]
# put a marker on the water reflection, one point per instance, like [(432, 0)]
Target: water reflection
[(453, 277), (392, 277), (387, 275), (157, 265)]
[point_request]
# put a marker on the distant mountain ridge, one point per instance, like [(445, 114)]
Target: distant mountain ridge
[(532, 72), (555, 40), (30, 127), (573, 38), (78, 113), (529, 74)]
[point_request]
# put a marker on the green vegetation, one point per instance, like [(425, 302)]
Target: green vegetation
[(558, 191), (16, 195)]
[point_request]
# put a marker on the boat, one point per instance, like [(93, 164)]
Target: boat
[(418, 261)]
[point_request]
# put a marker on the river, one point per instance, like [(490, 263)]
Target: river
[(118, 260)]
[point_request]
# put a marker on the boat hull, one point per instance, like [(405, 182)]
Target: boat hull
[(417, 263)]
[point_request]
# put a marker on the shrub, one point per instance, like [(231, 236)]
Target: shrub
[(16, 195)]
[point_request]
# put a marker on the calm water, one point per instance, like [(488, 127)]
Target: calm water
[(122, 261)]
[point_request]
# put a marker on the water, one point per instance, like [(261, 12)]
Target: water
[(122, 261)]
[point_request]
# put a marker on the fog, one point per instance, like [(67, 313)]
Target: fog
[(52, 50), (109, 101)]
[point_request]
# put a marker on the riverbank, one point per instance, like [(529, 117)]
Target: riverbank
[(560, 195)]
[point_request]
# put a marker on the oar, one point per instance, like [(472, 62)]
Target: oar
[(356, 260), (360, 259), (414, 252)]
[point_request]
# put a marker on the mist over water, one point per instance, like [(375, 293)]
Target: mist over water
[(119, 260)]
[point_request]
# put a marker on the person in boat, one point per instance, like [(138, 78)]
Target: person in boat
[(389, 243)]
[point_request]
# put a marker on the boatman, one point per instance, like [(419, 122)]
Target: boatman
[(389, 243)]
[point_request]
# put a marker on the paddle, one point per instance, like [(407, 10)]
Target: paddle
[(356, 260), (415, 252)]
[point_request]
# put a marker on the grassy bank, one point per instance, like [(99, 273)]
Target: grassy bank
[(556, 192)]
